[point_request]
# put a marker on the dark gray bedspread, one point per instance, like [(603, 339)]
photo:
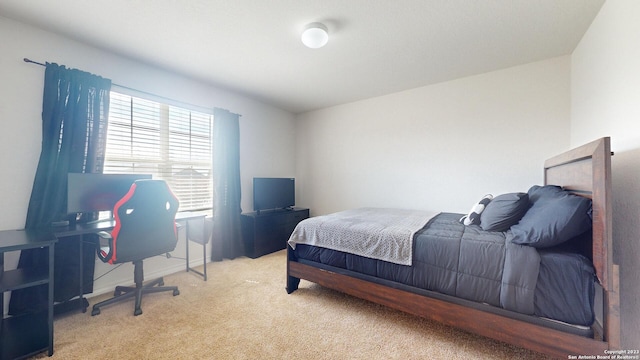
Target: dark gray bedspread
[(469, 263)]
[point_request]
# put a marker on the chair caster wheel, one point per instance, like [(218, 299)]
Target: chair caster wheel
[(95, 312), (176, 292)]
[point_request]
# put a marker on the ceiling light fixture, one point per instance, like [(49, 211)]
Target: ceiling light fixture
[(315, 35)]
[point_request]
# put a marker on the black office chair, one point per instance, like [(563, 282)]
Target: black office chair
[(144, 227)]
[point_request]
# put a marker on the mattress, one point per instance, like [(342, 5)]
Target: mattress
[(564, 290)]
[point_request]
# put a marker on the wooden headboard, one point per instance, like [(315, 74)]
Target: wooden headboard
[(586, 171)]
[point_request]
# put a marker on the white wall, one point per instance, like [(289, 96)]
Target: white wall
[(439, 147), (605, 89), (265, 141)]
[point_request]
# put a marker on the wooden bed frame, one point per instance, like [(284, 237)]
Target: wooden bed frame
[(586, 171)]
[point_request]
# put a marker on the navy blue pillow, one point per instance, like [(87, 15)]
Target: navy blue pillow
[(536, 192), (554, 217), (504, 211)]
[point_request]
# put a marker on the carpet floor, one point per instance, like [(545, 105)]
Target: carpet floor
[(244, 312)]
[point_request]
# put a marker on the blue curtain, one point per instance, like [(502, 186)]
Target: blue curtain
[(227, 236), (75, 109)]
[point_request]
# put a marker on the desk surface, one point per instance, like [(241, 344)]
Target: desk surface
[(190, 215), (108, 224), (12, 240), (84, 228)]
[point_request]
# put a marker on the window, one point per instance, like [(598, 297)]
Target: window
[(168, 142)]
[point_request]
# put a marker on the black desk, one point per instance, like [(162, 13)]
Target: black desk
[(81, 229), (31, 333), (202, 237)]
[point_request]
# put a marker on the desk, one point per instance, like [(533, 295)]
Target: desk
[(190, 216), (31, 333), (81, 229)]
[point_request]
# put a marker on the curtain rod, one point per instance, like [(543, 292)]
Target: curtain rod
[(27, 60), (208, 110)]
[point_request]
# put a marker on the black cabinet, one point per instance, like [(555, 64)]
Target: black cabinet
[(27, 334), (269, 231)]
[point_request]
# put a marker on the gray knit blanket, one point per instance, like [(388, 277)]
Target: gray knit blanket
[(383, 234)]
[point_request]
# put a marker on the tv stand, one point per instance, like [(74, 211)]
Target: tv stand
[(267, 231), (263, 211)]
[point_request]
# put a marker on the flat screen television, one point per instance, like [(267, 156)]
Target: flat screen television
[(273, 193), (92, 193)]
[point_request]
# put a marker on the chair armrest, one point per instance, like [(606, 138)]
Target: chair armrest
[(104, 235), (104, 245)]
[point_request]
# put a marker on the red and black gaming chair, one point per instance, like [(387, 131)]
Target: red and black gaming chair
[(144, 227)]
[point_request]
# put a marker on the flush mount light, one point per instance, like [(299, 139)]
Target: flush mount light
[(315, 35)]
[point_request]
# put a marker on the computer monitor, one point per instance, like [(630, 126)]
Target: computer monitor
[(92, 193)]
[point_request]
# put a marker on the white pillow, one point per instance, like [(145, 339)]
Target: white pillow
[(473, 217)]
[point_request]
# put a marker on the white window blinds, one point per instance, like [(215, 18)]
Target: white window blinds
[(168, 142)]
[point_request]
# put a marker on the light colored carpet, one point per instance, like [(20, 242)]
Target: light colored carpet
[(244, 312)]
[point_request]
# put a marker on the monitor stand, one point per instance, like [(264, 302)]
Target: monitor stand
[(99, 219)]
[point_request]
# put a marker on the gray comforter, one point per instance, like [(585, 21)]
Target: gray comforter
[(458, 260)]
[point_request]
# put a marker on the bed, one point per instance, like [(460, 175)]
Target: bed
[(535, 316)]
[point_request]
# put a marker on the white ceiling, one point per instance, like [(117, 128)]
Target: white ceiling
[(376, 47)]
